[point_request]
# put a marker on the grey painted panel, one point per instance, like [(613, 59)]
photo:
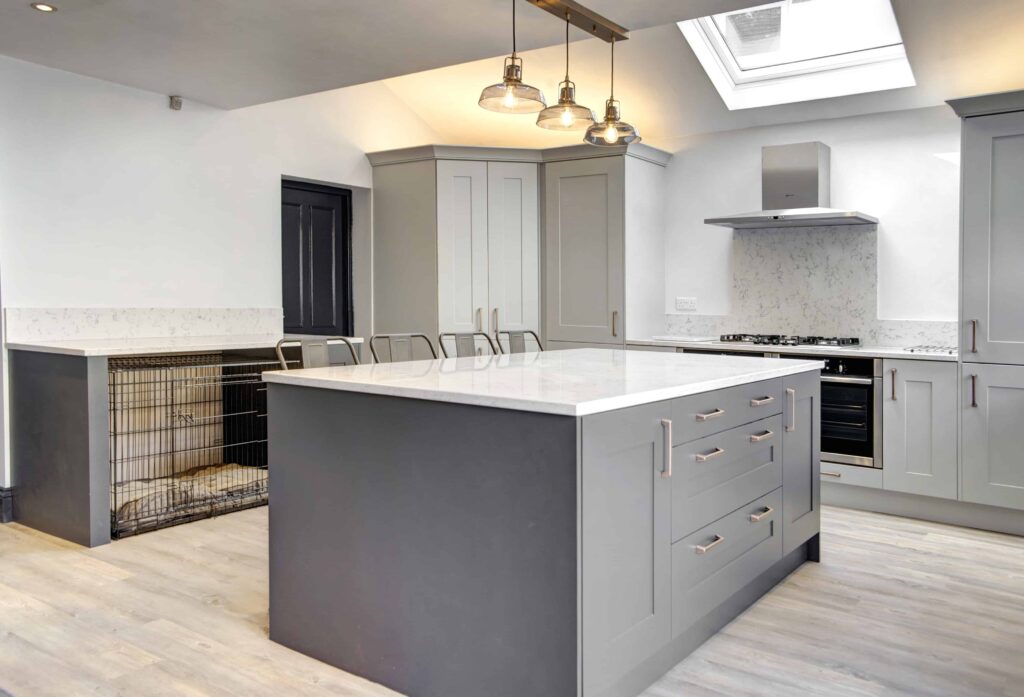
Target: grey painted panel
[(429, 547), (702, 491), (993, 439), (700, 415), (59, 445), (745, 548), (626, 543), (801, 460), (919, 428)]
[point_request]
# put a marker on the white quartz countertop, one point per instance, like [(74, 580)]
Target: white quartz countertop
[(823, 351), (573, 383), (154, 345)]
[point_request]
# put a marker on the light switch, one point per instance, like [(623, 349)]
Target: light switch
[(686, 304)]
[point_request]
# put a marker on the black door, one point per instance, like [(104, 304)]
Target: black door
[(316, 259)]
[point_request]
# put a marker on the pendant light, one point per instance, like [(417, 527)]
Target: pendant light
[(511, 96), (567, 115), (612, 131)]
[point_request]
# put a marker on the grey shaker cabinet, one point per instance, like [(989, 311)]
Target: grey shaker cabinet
[(992, 242), (992, 423), (801, 459), (919, 426), (626, 555)]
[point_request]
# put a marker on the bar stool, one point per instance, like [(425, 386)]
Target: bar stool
[(316, 352), (465, 343), (517, 340), (399, 346)]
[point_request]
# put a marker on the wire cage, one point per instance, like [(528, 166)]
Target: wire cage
[(188, 438)]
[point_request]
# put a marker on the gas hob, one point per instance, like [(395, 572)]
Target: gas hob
[(787, 340)]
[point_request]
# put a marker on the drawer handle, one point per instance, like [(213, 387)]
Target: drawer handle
[(666, 434), (761, 402), (704, 549), (758, 517), (710, 415), (764, 436), (704, 457), (837, 475)]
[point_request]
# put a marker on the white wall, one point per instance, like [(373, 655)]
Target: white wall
[(882, 164), (110, 199)]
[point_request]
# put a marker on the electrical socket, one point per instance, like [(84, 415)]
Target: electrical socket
[(686, 304)]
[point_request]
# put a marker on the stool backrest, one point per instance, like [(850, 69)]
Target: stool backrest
[(399, 347), (465, 343)]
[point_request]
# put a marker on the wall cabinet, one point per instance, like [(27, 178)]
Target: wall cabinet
[(919, 427), (993, 436)]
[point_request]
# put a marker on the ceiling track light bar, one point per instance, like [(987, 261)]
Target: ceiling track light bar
[(584, 18)]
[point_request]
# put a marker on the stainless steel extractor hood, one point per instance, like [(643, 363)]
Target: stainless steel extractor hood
[(794, 192)]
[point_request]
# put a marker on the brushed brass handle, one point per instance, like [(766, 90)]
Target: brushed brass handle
[(974, 391), (974, 336), (666, 434), (791, 426), (479, 319), (704, 457), (758, 517), (495, 327), (710, 415), (837, 475), (704, 549), (761, 402), (893, 372), (763, 436), (615, 322)]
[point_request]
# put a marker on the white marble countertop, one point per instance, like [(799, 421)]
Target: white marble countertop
[(155, 345), (573, 383), (823, 351)]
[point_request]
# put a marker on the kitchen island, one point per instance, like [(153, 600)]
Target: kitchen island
[(544, 524)]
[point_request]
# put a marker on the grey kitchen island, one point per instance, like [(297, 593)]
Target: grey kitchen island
[(541, 524)]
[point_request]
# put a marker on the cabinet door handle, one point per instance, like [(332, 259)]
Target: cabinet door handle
[(666, 444), (758, 517), (704, 457), (762, 401), (974, 336), (974, 391), (495, 327), (791, 426), (479, 319), (893, 373), (763, 436), (704, 549), (706, 416), (615, 322), (837, 475)]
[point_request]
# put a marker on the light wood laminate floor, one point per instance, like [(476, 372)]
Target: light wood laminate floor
[(897, 607)]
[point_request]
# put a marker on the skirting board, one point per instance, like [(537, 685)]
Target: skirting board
[(6, 504), (962, 513)]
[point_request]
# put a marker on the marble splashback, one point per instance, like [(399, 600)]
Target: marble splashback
[(27, 324), (812, 281)]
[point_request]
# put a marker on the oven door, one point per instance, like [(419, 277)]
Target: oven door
[(849, 420)]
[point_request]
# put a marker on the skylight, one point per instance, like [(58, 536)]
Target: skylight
[(798, 50)]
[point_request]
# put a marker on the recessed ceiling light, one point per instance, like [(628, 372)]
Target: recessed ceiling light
[(43, 7)]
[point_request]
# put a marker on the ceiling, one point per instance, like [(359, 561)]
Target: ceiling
[(235, 53), (956, 48)]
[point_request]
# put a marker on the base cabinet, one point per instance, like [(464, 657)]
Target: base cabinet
[(919, 427), (992, 423), (801, 459)]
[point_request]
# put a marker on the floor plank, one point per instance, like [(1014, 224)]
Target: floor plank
[(896, 608)]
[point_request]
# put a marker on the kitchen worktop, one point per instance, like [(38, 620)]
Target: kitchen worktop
[(823, 351), (574, 383), (155, 345)]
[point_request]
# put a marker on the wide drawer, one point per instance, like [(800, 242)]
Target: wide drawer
[(717, 561), (851, 474), (722, 471), (699, 415)]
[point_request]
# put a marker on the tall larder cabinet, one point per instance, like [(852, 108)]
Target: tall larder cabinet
[(992, 299)]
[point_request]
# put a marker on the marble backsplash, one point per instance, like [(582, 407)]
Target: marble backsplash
[(52, 324), (815, 281)]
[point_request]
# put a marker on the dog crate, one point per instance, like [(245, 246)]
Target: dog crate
[(188, 438)]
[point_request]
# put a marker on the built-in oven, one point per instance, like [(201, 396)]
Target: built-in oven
[(851, 419)]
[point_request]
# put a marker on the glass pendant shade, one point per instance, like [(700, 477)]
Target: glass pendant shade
[(613, 130), (511, 96), (567, 115)]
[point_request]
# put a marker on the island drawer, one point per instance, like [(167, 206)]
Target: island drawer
[(699, 415), (715, 562), (720, 472)]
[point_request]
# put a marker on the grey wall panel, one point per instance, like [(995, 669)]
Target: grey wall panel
[(430, 547)]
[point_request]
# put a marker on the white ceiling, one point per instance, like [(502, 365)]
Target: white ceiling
[(234, 53), (956, 48)]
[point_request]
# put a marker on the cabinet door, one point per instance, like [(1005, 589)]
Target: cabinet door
[(626, 532), (919, 428), (992, 408), (512, 246), (585, 252), (462, 246), (801, 459), (993, 244)]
